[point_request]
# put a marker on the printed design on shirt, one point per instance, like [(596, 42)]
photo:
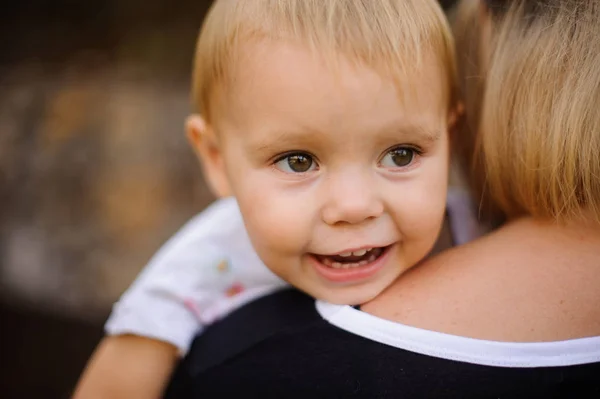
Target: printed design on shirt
[(193, 307), (234, 289), (223, 266)]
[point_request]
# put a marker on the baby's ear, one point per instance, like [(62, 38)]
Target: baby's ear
[(205, 143), (455, 115)]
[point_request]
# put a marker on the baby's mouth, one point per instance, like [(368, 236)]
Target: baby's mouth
[(353, 259)]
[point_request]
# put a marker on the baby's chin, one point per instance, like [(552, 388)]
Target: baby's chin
[(350, 295)]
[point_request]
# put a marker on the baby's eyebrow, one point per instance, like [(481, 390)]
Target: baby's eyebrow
[(278, 140), (431, 134), (416, 133)]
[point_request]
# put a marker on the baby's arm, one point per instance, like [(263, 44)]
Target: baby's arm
[(127, 366), (206, 270)]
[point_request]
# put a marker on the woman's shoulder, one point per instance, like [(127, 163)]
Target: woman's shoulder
[(525, 282)]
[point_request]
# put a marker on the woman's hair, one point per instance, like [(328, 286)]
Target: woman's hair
[(391, 36), (534, 146)]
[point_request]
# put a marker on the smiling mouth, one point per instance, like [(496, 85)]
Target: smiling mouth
[(349, 260)]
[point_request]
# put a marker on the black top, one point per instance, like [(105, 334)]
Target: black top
[(280, 347)]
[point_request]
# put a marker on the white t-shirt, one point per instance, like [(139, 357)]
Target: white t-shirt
[(209, 268)]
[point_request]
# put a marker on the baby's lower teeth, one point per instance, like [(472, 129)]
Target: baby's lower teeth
[(339, 265)]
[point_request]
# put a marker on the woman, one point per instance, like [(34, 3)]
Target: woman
[(513, 314)]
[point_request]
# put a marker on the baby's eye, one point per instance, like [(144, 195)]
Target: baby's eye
[(296, 163), (398, 157)]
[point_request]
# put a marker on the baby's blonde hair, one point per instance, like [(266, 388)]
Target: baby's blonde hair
[(538, 135), (389, 35)]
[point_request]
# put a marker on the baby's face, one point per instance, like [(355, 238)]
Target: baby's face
[(341, 183)]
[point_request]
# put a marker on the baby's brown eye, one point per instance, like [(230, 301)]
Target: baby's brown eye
[(398, 157), (296, 163), (299, 163)]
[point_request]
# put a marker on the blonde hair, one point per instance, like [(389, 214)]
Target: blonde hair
[(538, 134), (388, 35), (467, 34)]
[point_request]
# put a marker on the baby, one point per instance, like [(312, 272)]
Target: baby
[(324, 126)]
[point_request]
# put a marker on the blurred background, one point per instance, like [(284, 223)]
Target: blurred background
[(95, 172)]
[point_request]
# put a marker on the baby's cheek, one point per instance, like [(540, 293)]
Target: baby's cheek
[(274, 229), (274, 240), (425, 217)]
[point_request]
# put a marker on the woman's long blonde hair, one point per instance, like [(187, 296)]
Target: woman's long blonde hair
[(534, 147)]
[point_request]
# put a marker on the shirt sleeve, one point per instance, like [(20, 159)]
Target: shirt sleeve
[(205, 271)]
